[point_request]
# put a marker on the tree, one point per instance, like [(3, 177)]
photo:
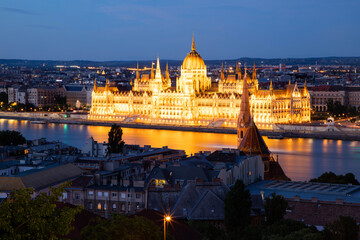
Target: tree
[(116, 144), (11, 138), (121, 227), (275, 208), (4, 98), (237, 208), (25, 217), (344, 228), (330, 177), (208, 230)]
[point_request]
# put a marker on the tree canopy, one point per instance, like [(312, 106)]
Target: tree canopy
[(25, 217), (237, 208), (275, 208), (116, 144), (330, 177), (344, 228), (11, 138), (121, 227)]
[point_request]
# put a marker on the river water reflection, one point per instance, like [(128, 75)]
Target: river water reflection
[(300, 158)]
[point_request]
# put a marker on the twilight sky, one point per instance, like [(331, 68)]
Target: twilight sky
[(141, 30)]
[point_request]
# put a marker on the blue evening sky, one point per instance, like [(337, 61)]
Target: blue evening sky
[(141, 30)]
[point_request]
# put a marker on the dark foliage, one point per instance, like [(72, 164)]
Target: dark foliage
[(275, 208), (330, 177), (116, 144), (11, 138), (237, 208), (25, 217), (208, 230), (337, 110), (4, 97), (344, 228), (121, 227)]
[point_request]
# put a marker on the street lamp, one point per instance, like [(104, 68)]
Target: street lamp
[(167, 218)]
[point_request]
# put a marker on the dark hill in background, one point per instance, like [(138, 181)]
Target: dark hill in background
[(353, 61)]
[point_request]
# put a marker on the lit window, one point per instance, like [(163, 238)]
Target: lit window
[(114, 206), (99, 206), (106, 194), (250, 173), (123, 195), (99, 194), (91, 193)]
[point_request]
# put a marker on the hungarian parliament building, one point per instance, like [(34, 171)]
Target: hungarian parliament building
[(195, 102)]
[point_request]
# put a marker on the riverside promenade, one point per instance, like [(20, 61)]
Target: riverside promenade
[(286, 131)]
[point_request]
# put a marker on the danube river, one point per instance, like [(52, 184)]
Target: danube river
[(300, 158)]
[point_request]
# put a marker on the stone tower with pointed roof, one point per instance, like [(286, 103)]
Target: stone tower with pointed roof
[(254, 144), (244, 118)]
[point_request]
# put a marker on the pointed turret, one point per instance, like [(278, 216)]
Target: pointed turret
[(95, 86), (222, 76), (271, 87), (238, 70), (254, 77), (254, 144), (167, 75), (137, 72), (158, 75), (193, 44), (152, 76), (244, 118), (107, 85)]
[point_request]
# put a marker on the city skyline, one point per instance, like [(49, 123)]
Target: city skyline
[(107, 30)]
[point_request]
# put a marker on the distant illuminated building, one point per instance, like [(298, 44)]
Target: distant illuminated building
[(193, 102)]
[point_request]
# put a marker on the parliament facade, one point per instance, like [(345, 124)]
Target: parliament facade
[(194, 101)]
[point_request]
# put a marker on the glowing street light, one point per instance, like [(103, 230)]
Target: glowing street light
[(167, 218)]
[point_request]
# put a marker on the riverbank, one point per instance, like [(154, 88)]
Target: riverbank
[(339, 134)]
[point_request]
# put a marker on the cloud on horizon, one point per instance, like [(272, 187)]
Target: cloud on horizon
[(18, 10)]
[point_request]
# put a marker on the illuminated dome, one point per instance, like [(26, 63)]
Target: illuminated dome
[(193, 60)]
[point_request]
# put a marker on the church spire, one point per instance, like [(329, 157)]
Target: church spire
[(222, 76), (137, 71), (271, 87), (193, 44), (244, 119)]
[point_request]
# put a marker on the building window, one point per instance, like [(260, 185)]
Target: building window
[(129, 195), (99, 194), (90, 206), (106, 194), (114, 195), (114, 207), (91, 193), (105, 206), (123, 195), (122, 207), (77, 196), (99, 206), (138, 195)]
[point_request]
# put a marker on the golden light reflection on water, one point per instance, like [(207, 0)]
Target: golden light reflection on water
[(301, 159)]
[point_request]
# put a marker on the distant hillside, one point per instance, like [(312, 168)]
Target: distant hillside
[(353, 61)]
